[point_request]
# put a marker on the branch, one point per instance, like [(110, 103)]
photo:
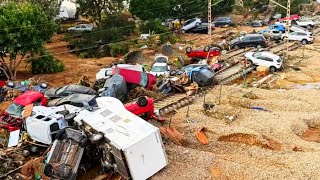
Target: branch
[(16, 66), (5, 72)]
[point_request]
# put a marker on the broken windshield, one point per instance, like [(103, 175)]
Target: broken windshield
[(159, 69), (15, 109)]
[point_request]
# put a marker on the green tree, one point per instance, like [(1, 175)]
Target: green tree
[(223, 7), (50, 7), (295, 7), (24, 29), (151, 9), (97, 9)]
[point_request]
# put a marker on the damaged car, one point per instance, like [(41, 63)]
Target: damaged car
[(77, 100), (115, 87), (203, 53), (68, 90)]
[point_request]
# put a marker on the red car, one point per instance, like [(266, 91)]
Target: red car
[(293, 17), (11, 119), (144, 107), (202, 54), (142, 79)]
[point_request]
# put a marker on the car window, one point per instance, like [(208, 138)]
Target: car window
[(15, 109), (158, 68), (108, 72), (301, 34), (144, 79), (189, 21), (267, 59), (245, 39), (294, 33), (78, 26), (54, 127), (256, 55), (83, 26)]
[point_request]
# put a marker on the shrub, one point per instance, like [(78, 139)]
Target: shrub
[(172, 38), (153, 26), (45, 63)]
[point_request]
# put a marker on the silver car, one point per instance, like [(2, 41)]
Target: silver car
[(81, 28)]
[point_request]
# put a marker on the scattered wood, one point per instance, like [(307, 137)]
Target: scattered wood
[(261, 81)]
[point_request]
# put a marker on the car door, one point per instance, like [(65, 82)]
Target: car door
[(245, 42), (253, 42), (293, 36), (267, 62)]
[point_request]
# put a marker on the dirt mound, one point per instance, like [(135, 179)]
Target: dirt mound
[(251, 140)]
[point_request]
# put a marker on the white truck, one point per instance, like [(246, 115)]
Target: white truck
[(131, 146)]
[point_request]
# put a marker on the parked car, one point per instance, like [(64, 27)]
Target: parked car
[(268, 59), (136, 78), (81, 28), (273, 35), (307, 23), (11, 119), (68, 90), (292, 17), (303, 37), (143, 107), (223, 22), (160, 69), (203, 53), (201, 29), (278, 27), (190, 23), (249, 40), (115, 87), (202, 76), (78, 100), (45, 122)]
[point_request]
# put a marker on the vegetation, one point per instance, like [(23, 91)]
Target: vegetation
[(24, 29), (153, 27), (45, 63)]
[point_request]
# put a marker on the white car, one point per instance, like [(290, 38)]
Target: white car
[(303, 37), (191, 23), (81, 28), (162, 69), (264, 58), (105, 73), (306, 23)]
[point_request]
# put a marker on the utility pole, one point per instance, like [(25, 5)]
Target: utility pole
[(209, 20)]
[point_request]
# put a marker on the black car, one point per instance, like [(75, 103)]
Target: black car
[(256, 24), (223, 22), (201, 29), (68, 90), (249, 40)]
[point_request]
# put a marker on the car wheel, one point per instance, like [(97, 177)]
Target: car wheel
[(259, 46), (206, 48), (273, 69), (69, 117), (142, 101), (304, 41), (188, 50), (197, 24), (96, 138)]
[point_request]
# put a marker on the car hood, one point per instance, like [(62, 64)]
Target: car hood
[(51, 93)]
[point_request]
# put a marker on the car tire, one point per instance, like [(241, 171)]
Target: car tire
[(259, 46), (206, 48), (304, 42), (188, 50), (142, 101), (96, 138), (273, 69), (197, 24)]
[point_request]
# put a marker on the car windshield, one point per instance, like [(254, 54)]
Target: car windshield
[(161, 60), (144, 79), (189, 21), (279, 60), (61, 90), (158, 68), (15, 109)]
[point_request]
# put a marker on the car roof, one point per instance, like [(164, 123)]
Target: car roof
[(269, 54), (27, 98)]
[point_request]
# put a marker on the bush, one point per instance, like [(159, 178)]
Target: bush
[(46, 63), (153, 26), (172, 38), (119, 48)]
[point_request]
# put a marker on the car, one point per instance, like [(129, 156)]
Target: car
[(203, 53), (202, 76), (307, 23), (78, 100), (104, 73), (303, 37), (296, 28), (160, 69), (223, 22), (292, 17), (143, 107), (136, 78), (264, 58), (81, 28), (256, 24), (273, 35), (187, 69), (278, 27), (190, 23), (45, 122), (115, 87), (68, 90), (249, 40), (12, 117), (201, 29)]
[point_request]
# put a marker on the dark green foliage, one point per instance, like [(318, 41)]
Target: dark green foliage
[(295, 7), (45, 63), (168, 37), (153, 26), (223, 7)]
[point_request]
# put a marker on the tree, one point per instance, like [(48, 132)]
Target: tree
[(97, 9), (223, 7), (51, 7), (295, 6), (186, 9), (151, 9), (24, 28)]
